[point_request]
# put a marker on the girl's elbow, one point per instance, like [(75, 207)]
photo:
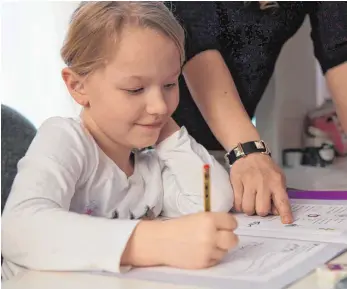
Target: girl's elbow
[(16, 245), (10, 237)]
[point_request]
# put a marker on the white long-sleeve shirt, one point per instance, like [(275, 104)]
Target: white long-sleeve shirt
[(71, 208)]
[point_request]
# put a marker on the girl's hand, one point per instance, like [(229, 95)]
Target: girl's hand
[(191, 242), (199, 240)]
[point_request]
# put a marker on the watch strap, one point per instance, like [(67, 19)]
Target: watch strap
[(244, 149)]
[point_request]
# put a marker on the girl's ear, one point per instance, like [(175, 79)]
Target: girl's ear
[(74, 84)]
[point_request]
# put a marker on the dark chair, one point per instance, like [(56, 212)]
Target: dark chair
[(16, 135)]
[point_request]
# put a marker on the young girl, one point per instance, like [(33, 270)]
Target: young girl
[(84, 198)]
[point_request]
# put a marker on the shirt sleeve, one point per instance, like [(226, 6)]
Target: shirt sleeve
[(183, 160), (38, 231), (329, 32), (201, 24)]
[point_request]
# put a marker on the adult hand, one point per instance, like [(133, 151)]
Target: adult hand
[(259, 187)]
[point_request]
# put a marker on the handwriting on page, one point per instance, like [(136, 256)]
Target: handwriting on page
[(326, 218), (321, 215), (256, 258)]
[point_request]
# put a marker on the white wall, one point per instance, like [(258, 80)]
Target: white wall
[(322, 88), (32, 34), (297, 87)]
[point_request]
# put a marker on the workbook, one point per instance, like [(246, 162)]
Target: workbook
[(270, 254)]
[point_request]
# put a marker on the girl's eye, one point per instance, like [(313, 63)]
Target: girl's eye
[(135, 91), (140, 90), (170, 85)]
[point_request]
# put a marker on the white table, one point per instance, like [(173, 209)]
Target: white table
[(332, 177), (48, 280)]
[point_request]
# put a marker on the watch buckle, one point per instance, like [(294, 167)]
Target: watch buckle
[(261, 144), (238, 150)]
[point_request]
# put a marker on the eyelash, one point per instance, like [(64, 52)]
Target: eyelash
[(134, 91), (139, 90)]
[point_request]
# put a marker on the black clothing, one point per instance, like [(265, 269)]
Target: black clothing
[(250, 40)]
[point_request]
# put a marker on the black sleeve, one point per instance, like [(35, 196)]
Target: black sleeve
[(200, 22), (329, 32)]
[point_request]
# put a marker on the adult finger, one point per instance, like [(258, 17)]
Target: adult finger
[(238, 193), (248, 201), (263, 200), (274, 210), (282, 204)]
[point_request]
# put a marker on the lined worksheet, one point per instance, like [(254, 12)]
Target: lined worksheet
[(255, 262), (257, 259), (270, 254), (317, 222)]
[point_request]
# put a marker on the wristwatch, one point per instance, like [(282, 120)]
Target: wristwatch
[(244, 149)]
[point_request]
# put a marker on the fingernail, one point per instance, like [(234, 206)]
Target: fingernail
[(286, 219)]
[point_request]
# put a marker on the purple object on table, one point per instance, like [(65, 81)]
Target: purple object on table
[(318, 195)]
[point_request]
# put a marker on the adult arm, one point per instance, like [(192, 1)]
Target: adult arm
[(336, 80), (257, 181), (329, 35)]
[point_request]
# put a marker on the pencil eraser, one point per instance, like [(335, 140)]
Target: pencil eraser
[(329, 274)]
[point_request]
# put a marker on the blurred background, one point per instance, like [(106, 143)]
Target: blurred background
[(32, 34)]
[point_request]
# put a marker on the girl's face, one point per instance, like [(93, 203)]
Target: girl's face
[(133, 96)]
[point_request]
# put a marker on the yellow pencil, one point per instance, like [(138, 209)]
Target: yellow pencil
[(207, 197)]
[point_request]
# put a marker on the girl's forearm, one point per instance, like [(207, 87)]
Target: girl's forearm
[(144, 247)]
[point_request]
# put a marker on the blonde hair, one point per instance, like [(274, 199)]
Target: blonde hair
[(95, 25)]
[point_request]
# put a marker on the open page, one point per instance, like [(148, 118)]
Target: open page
[(270, 254), (261, 262), (313, 220)]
